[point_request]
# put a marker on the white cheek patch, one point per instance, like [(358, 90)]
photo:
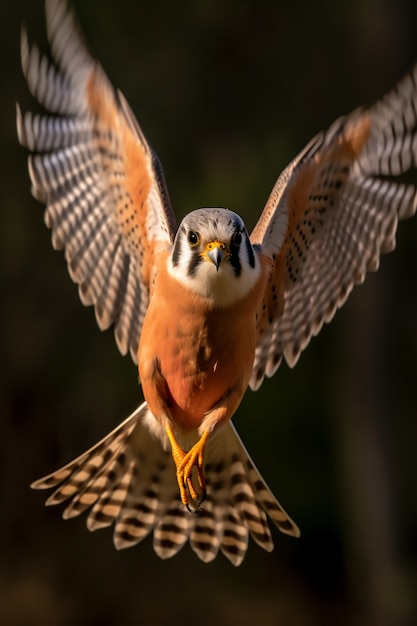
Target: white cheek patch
[(223, 287)]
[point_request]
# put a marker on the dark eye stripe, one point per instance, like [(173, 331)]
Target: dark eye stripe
[(235, 263), (249, 250), (234, 256), (193, 264), (176, 251)]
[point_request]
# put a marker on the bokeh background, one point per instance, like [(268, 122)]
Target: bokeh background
[(227, 92)]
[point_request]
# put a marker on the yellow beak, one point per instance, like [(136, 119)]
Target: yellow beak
[(215, 252)]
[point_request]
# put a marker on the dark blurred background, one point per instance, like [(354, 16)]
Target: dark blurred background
[(227, 92)]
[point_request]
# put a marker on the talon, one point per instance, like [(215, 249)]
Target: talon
[(194, 511), (188, 482), (185, 463), (203, 497)]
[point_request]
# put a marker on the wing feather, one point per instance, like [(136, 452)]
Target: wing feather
[(105, 194), (330, 216)]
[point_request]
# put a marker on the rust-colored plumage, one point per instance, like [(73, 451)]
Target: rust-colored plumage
[(204, 309), (204, 352)]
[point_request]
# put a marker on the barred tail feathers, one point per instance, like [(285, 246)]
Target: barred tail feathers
[(129, 479)]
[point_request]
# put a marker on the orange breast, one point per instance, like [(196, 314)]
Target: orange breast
[(192, 355)]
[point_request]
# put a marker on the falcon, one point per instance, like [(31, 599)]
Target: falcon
[(205, 309)]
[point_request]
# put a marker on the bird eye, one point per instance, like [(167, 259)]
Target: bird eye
[(193, 238), (237, 238)]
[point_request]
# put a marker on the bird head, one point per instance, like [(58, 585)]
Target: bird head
[(212, 255)]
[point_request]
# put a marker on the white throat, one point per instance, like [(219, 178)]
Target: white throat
[(221, 286)]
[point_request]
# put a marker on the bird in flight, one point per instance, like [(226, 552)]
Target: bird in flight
[(205, 309)]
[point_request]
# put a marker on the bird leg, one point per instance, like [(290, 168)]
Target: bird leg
[(185, 463)]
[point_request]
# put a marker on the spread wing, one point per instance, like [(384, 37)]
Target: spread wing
[(103, 186), (330, 216)]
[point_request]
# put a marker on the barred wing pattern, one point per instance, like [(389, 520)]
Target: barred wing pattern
[(129, 479), (106, 198), (330, 216)]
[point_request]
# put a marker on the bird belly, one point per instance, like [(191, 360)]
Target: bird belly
[(199, 376), (198, 361), (195, 360)]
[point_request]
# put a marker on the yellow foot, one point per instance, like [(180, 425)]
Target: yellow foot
[(185, 463)]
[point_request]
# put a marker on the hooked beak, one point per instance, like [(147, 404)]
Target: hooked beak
[(215, 252), (216, 256)]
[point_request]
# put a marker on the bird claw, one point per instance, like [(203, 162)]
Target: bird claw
[(197, 497), (185, 463)]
